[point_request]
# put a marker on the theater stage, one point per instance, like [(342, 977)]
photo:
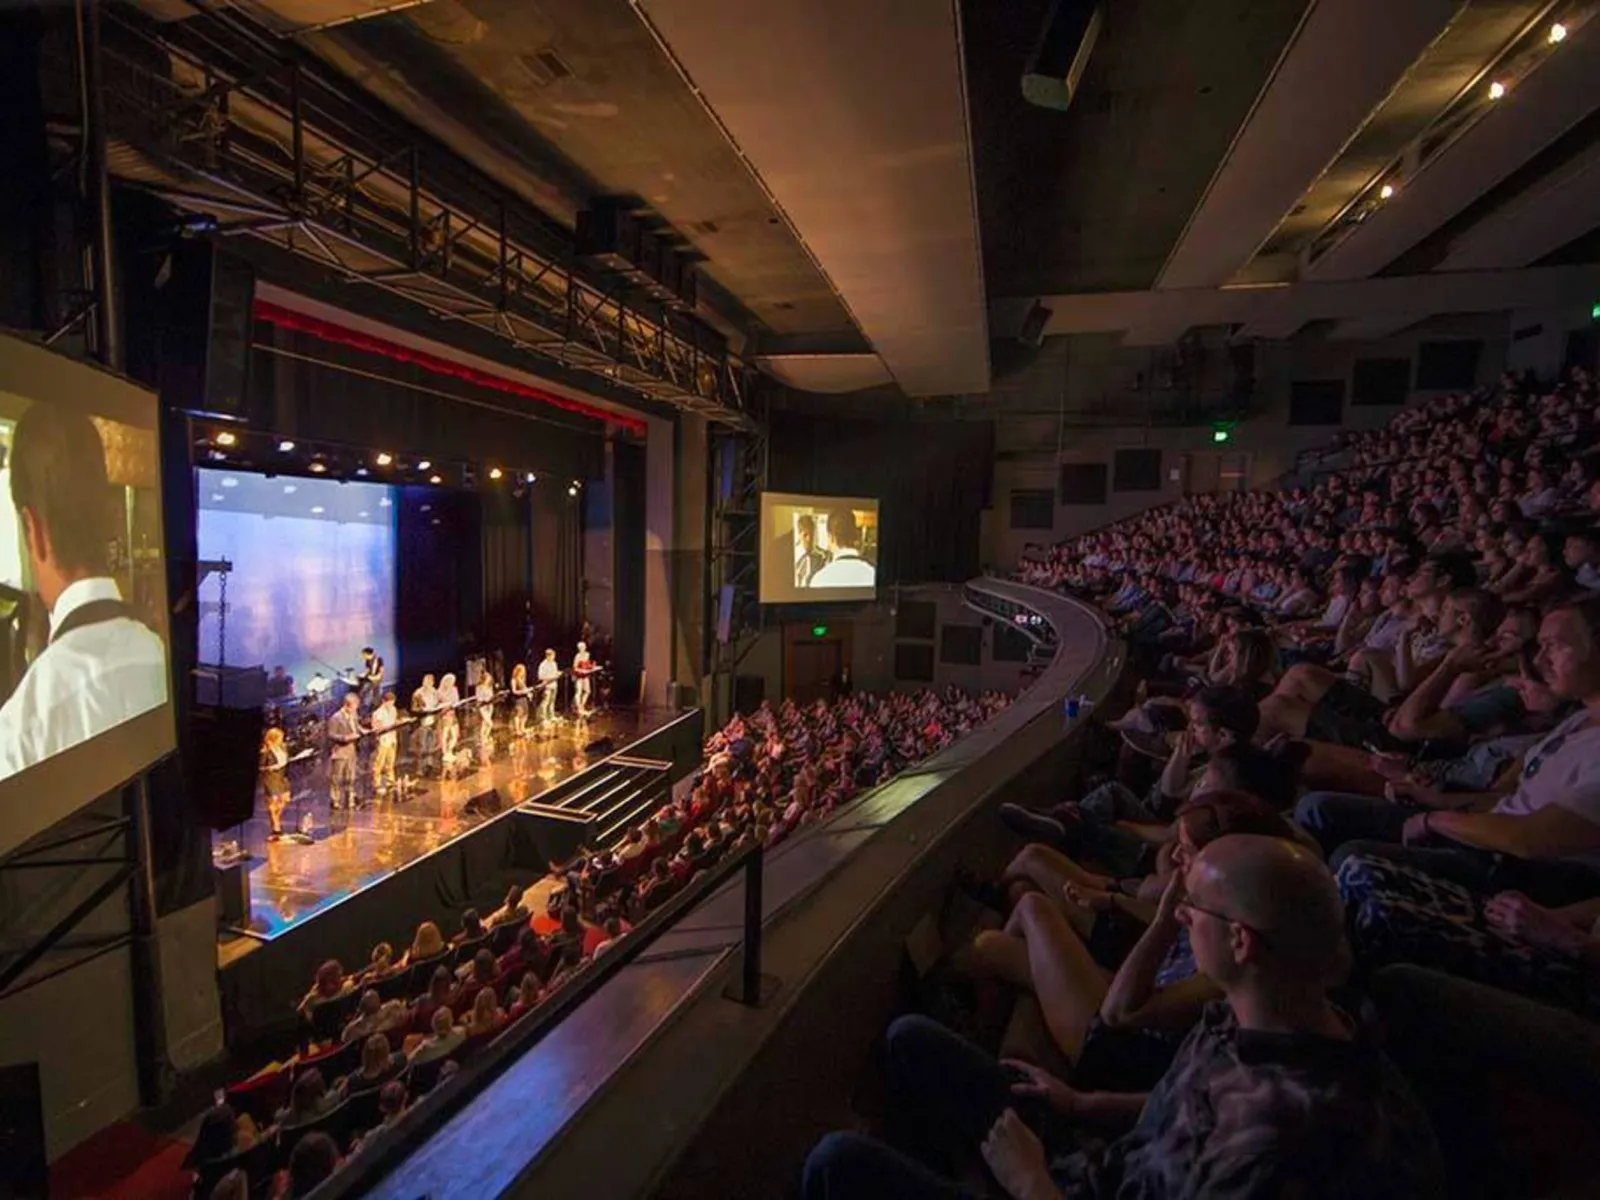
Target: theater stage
[(371, 874)]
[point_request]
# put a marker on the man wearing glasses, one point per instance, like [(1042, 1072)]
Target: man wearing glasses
[(1274, 1093)]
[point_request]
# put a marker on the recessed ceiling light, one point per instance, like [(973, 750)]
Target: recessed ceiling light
[(317, 510), (1386, 191), (1558, 33), (385, 458), (495, 472), (532, 478), (573, 490), (361, 471), (317, 468), (290, 489), (434, 479), (424, 464), (285, 446), (1496, 90), (227, 438), (229, 481)]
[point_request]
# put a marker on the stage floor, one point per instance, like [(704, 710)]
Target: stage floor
[(291, 882)]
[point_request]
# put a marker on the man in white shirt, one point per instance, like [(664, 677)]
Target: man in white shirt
[(847, 568), (101, 666), (384, 718), (424, 704), (582, 668), (549, 673)]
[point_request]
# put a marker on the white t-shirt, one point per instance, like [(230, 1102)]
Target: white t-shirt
[(847, 570), (83, 683), (1563, 769)]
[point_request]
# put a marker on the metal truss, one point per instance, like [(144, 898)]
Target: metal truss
[(738, 468), (256, 141)]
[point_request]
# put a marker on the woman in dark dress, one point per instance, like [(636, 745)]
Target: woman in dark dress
[(274, 778)]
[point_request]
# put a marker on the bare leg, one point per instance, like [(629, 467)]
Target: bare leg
[(1069, 984), (1049, 870), (1334, 768)]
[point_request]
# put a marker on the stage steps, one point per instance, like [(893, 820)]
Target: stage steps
[(614, 797)]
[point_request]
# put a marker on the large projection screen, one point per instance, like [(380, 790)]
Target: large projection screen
[(816, 549), (85, 675)]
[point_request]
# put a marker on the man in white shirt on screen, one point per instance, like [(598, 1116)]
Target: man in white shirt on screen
[(847, 569), (101, 666)]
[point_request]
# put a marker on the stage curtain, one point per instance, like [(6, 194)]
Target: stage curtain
[(557, 563), (508, 572), (932, 480)]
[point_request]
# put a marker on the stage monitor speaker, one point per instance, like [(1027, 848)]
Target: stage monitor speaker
[(748, 693), (231, 687), (207, 304), (233, 894), (221, 755), (24, 1173), (1057, 63), (601, 745)]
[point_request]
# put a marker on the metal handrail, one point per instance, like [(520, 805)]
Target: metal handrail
[(383, 1150)]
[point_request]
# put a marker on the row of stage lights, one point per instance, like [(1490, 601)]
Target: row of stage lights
[(226, 443), (1495, 89)]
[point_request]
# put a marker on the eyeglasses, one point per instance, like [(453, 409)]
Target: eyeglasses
[(1221, 916)]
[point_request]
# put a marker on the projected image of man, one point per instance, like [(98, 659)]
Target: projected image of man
[(101, 666), (808, 559), (847, 569)]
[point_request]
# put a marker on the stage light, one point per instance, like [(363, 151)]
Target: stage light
[(384, 458), (317, 468), (317, 510), (229, 481), (1558, 34), (1496, 90), (361, 471), (424, 464), (1386, 191), (435, 479), (290, 489), (285, 446), (531, 477), (495, 472), (227, 438), (573, 490)]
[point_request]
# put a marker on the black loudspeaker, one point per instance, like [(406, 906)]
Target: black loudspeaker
[(748, 693), (1062, 52), (206, 303), (220, 758), (601, 745), (233, 894), (24, 1174)]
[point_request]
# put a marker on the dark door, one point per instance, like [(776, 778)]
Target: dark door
[(812, 668)]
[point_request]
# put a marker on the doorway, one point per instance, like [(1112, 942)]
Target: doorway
[(812, 668)]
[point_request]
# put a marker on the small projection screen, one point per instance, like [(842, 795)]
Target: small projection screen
[(818, 548), (85, 678)]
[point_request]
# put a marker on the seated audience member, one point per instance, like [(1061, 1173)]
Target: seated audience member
[(1276, 1092), (380, 966), (374, 1015), (235, 1185), (512, 910), (613, 931), (526, 998), (309, 1099), (428, 944), (392, 1100), (482, 972), (378, 1066), (222, 1134), (529, 954), (330, 984), (445, 1038), (441, 990), (471, 928), (486, 1018), (1542, 839), (569, 961), (312, 1162), (1582, 556)]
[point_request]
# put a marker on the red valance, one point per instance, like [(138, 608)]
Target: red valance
[(327, 331)]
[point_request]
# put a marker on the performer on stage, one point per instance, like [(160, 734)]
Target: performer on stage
[(384, 719), (371, 678), (582, 667), (549, 676), (449, 727), (485, 697), (275, 779), (520, 691), (425, 708), (344, 730)]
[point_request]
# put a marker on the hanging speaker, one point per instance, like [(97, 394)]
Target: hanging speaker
[(206, 304)]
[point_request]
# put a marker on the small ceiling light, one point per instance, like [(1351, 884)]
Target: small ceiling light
[(435, 479), (495, 472), (531, 477), (229, 481), (317, 510), (1558, 34), (290, 489), (362, 471), (1386, 191), (384, 458), (1496, 90), (227, 438), (424, 464), (317, 468), (573, 490), (285, 446)]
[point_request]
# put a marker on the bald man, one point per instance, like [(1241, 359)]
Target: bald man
[(1274, 1093)]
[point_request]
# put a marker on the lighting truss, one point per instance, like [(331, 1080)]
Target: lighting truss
[(226, 125)]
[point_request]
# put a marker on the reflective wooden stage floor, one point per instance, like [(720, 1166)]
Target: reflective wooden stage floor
[(291, 882)]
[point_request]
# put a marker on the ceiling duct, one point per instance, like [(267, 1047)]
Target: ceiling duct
[(1057, 63)]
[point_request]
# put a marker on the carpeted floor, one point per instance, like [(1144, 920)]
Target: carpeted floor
[(122, 1162)]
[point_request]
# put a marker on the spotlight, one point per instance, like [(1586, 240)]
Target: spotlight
[(285, 446), (424, 464), (1386, 191), (1558, 34), (385, 458), (317, 468), (531, 477), (495, 472), (227, 438), (435, 479), (362, 471), (1496, 90), (573, 490), (576, 484), (317, 510)]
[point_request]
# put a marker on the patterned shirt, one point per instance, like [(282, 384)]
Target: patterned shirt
[(1243, 1113)]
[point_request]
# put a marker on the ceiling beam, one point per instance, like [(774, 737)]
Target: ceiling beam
[(1332, 76), (1561, 208)]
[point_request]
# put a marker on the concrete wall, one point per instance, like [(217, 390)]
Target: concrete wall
[(1080, 373), (1542, 343)]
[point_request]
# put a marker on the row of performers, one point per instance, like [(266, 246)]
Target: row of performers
[(434, 712)]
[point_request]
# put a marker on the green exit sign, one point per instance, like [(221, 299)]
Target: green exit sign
[(819, 631), (1595, 312)]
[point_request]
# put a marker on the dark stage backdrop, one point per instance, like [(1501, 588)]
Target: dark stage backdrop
[(932, 481)]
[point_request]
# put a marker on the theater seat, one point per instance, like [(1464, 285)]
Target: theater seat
[(259, 1164), (327, 1018), (262, 1096), (334, 1123)]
